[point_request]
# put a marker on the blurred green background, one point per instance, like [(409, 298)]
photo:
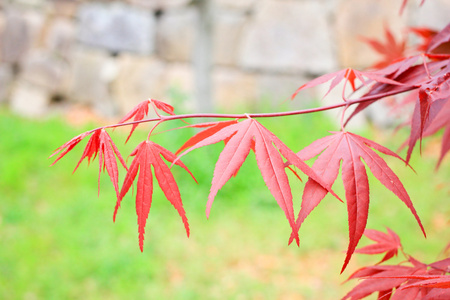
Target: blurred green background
[(58, 240)]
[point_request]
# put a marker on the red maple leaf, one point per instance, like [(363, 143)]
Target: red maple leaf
[(380, 279), (99, 144), (391, 50), (385, 242), (405, 72), (440, 42), (350, 149), (68, 146), (426, 34), (249, 135), (350, 75), (146, 155), (433, 98), (139, 112)]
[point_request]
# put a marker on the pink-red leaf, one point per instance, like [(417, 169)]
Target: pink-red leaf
[(240, 139), (101, 144), (391, 50), (351, 149), (385, 242), (167, 108), (146, 155), (441, 38), (68, 146), (137, 113), (350, 75)]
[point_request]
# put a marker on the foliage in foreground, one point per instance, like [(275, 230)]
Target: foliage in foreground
[(411, 279)]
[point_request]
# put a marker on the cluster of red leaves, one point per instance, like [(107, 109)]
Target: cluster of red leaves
[(409, 280), (430, 81), (426, 74)]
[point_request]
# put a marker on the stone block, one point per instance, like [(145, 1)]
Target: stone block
[(175, 35), (358, 19), (234, 89), (242, 5), (288, 37), (29, 100), (15, 38), (46, 70), (228, 30), (91, 76), (6, 80), (160, 4), (278, 88), (60, 36), (116, 27), (139, 78)]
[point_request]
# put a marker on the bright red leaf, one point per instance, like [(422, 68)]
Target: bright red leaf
[(146, 155), (351, 149), (385, 242), (440, 41), (68, 146), (426, 34), (101, 144), (139, 112), (390, 50), (241, 138), (379, 279), (433, 98), (350, 75)]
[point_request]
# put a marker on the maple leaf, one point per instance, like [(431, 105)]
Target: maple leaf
[(426, 34), (240, 138), (391, 50), (139, 112), (350, 149), (379, 279), (440, 41), (385, 242), (405, 72), (146, 155), (433, 98), (101, 144), (350, 75), (68, 146)]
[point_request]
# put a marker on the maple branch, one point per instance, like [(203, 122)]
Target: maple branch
[(161, 118)]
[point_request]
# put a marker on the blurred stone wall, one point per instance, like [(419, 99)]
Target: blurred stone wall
[(110, 55)]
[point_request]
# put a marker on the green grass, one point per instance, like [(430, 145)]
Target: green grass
[(59, 241)]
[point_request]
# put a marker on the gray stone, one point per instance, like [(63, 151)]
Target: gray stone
[(6, 79), (60, 37), (175, 35), (15, 38), (279, 89), (288, 36), (29, 100), (139, 78), (116, 27), (227, 37), (160, 4), (90, 76), (234, 89), (242, 5), (46, 70)]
